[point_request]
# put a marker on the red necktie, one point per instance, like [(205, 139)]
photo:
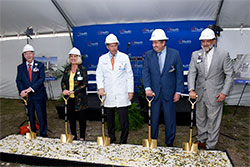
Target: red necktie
[(112, 62), (30, 73)]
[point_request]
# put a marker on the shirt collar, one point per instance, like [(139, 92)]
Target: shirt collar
[(110, 55), (32, 63), (211, 52), (163, 52)]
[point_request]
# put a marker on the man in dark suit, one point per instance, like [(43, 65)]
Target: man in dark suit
[(29, 80), (163, 78)]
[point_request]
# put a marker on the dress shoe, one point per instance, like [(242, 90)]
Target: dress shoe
[(201, 145), (170, 145), (45, 135)]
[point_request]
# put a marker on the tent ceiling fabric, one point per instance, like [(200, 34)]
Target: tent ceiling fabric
[(234, 13), (124, 11), (43, 16)]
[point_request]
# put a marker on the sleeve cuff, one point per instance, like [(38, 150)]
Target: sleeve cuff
[(32, 89)]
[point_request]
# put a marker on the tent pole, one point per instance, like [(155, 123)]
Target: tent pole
[(219, 10), (66, 18), (58, 7)]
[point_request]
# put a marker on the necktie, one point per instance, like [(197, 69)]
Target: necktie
[(30, 73), (112, 62), (160, 61)]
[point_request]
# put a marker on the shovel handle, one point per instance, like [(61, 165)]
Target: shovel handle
[(102, 100), (65, 99), (149, 101), (193, 103), (25, 99)]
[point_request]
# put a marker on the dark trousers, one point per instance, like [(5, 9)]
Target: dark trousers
[(76, 115), (40, 107), (123, 118), (169, 111)]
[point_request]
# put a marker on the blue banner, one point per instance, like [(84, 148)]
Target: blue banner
[(134, 40)]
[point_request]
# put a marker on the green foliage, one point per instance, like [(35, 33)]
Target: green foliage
[(134, 117), (226, 109)]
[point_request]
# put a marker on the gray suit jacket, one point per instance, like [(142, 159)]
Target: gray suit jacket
[(219, 77)]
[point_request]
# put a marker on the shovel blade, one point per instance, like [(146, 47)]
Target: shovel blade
[(66, 138), (28, 136), (194, 147), (148, 144), (31, 135), (103, 141), (186, 146)]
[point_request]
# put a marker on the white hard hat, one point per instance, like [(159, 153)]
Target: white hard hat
[(28, 47), (207, 34), (111, 38), (75, 51), (158, 34)]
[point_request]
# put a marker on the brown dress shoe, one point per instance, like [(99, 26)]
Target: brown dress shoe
[(201, 145)]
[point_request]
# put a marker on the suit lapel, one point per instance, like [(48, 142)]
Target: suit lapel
[(201, 64), (156, 61), (26, 72)]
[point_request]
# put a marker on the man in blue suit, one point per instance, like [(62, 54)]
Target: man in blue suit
[(163, 78), (29, 80)]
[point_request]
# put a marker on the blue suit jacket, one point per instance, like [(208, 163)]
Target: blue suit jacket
[(38, 77), (170, 80)]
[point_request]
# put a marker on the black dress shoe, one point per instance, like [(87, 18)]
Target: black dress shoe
[(170, 145), (44, 135)]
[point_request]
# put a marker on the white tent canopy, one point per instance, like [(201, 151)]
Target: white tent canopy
[(59, 16)]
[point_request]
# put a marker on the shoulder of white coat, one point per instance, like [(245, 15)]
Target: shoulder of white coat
[(104, 56), (123, 55)]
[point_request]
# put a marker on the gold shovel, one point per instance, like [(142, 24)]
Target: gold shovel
[(189, 146), (66, 138), (150, 143), (103, 140), (31, 135)]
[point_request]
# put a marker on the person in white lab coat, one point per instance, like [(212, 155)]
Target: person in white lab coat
[(114, 77)]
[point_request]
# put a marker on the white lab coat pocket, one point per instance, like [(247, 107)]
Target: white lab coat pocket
[(122, 66)]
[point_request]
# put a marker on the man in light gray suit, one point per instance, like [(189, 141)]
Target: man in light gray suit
[(209, 77)]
